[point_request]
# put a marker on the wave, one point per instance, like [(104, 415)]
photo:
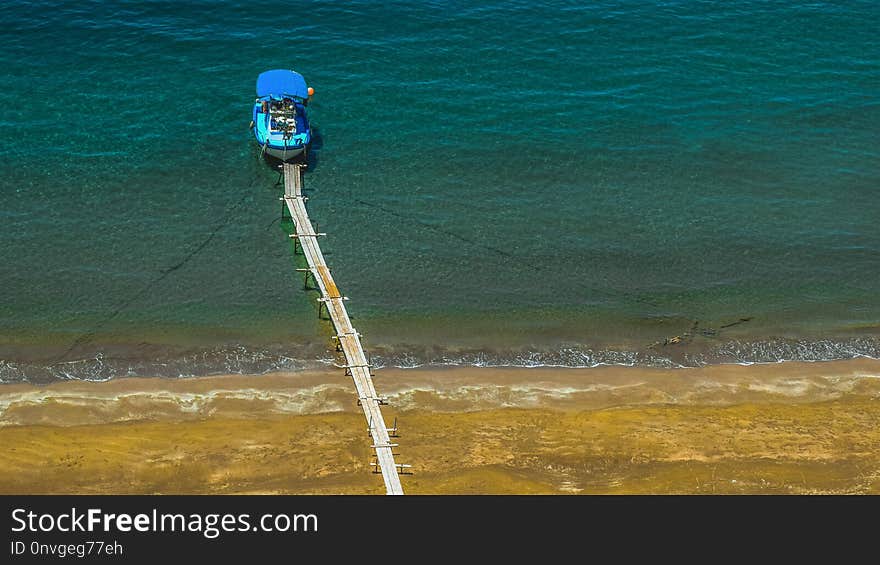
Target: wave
[(236, 360), (242, 360), (735, 351), (72, 407)]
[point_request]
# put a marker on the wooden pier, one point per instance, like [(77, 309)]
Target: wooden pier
[(348, 340)]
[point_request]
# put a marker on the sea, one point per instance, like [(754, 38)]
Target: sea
[(646, 183)]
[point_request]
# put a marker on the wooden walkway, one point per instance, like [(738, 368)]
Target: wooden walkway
[(347, 338)]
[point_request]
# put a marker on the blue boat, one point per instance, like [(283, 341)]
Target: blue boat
[(280, 124)]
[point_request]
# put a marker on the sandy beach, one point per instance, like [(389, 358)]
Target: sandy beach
[(780, 428)]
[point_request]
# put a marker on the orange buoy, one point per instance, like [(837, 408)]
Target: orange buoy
[(311, 91)]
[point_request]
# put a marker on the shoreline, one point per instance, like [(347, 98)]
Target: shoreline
[(684, 349), (778, 428), (447, 389)]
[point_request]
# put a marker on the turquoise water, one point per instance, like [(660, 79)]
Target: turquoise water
[(503, 183)]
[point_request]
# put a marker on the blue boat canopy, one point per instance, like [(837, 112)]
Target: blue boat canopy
[(281, 82)]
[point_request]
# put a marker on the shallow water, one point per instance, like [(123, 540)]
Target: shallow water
[(503, 183)]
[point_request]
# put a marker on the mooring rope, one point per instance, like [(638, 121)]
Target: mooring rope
[(86, 337)]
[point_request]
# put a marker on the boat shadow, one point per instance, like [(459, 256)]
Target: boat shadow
[(313, 158)]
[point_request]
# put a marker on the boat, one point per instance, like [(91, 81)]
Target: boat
[(280, 123)]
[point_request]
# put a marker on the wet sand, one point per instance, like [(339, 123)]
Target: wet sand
[(780, 428)]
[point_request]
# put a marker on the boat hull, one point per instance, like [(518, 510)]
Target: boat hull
[(275, 149), (284, 155)]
